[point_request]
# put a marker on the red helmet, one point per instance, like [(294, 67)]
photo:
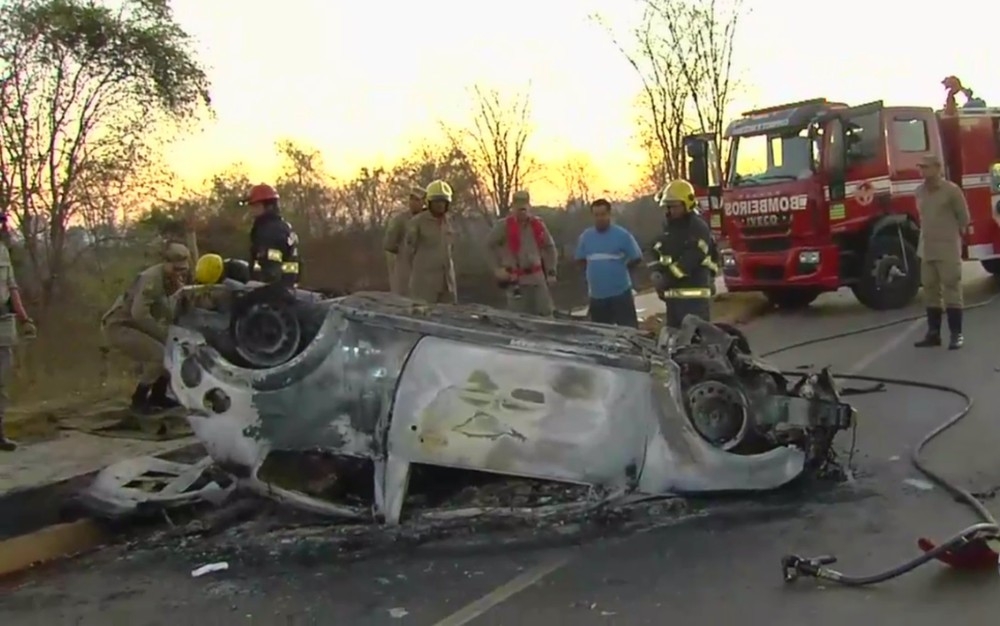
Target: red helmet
[(261, 193)]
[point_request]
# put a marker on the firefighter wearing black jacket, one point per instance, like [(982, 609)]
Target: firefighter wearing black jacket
[(684, 257), (274, 246)]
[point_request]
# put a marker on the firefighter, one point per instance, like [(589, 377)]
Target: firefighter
[(683, 263), (137, 323), (427, 248), (524, 258), (274, 246), (395, 233), (944, 217), (11, 311)]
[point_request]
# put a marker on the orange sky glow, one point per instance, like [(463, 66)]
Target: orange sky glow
[(367, 82)]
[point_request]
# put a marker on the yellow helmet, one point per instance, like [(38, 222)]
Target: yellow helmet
[(439, 190), (678, 191), (209, 269)]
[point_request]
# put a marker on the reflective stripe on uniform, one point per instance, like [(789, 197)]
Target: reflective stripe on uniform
[(711, 265), (668, 263), (703, 246), (688, 292), (275, 255), (290, 267)]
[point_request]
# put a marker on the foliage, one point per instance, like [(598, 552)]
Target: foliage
[(82, 84)]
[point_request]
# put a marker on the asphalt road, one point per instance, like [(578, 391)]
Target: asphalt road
[(716, 570)]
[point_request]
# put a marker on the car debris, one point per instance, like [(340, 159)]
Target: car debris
[(342, 406), (147, 485)]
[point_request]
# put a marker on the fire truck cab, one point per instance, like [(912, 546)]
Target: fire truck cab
[(820, 195)]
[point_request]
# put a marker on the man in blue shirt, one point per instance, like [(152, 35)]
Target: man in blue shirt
[(609, 252)]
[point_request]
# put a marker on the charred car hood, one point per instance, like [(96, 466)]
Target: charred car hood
[(380, 379)]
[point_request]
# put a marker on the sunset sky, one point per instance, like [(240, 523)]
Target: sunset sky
[(366, 81)]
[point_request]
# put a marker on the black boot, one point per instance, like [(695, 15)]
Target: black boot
[(955, 329), (158, 394), (933, 336), (140, 398), (6, 445)]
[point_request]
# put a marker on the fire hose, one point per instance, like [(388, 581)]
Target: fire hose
[(967, 549)]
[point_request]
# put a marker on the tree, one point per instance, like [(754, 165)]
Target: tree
[(495, 145), (84, 88), (703, 33), (306, 190), (683, 52), (577, 174)]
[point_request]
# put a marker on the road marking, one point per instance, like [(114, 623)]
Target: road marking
[(883, 349), (502, 593)]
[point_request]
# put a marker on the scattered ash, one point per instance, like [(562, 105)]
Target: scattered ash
[(506, 514), (445, 510)]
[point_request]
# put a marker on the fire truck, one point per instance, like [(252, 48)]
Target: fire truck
[(820, 195)]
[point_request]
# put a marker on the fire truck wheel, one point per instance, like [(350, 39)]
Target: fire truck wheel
[(791, 299), (992, 266), (888, 281)]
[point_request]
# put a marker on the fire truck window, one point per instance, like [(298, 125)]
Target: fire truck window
[(763, 159), (910, 135), (865, 134)]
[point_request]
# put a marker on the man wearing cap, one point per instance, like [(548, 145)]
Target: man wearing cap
[(944, 218), (524, 258), (137, 322), (395, 239), (11, 311)]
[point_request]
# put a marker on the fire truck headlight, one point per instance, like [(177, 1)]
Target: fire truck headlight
[(809, 257), (728, 260)]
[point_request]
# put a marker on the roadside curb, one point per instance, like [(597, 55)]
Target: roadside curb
[(51, 543), (39, 525)]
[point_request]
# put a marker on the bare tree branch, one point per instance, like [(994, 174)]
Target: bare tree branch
[(682, 51), (495, 144)]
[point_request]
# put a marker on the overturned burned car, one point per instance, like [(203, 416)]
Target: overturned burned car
[(376, 385)]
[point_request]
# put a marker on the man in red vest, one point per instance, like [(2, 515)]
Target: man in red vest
[(524, 258)]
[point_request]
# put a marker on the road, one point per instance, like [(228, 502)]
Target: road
[(718, 570)]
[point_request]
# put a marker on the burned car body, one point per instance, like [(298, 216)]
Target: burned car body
[(373, 377)]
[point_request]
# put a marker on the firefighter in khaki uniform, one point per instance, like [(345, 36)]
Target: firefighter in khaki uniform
[(524, 258), (944, 217), (395, 235), (427, 249), (137, 322), (11, 311), (683, 261)]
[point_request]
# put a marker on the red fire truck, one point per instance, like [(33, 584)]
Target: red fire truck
[(819, 195)]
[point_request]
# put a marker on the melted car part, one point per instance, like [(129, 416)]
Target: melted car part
[(400, 384), (148, 484)]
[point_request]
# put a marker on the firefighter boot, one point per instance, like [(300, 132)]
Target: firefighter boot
[(956, 340), (933, 336), (6, 445), (158, 394)]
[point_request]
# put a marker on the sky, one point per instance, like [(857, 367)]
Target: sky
[(365, 82)]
